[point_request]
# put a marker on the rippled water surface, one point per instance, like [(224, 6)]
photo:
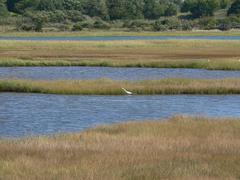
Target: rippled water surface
[(35, 114), (112, 38), (53, 73)]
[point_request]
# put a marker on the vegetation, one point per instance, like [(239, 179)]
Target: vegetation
[(203, 54), (226, 64), (235, 8), (179, 148), (198, 7), (133, 15), (110, 32), (110, 87)]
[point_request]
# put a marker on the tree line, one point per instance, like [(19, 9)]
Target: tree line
[(41, 11)]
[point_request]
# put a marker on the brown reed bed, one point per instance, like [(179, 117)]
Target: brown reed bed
[(160, 54), (111, 87), (177, 148)]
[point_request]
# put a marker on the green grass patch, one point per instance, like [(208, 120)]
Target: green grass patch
[(110, 87), (120, 33), (228, 64)]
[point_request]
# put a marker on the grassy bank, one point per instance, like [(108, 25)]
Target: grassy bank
[(205, 54), (223, 64), (120, 33), (180, 148), (110, 87)]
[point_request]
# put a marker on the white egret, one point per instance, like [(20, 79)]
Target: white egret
[(127, 92)]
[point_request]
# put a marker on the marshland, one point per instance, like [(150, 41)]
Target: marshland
[(205, 54), (176, 148), (119, 89), (110, 87), (64, 114)]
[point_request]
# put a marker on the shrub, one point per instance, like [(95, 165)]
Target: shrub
[(224, 24), (207, 23), (138, 25), (77, 27), (172, 23), (100, 24), (187, 25), (158, 26), (87, 24)]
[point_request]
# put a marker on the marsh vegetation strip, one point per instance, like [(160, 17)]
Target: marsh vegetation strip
[(179, 148), (118, 38), (58, 73), (111, 87), (169, 54), (33, 114), (94, 33)]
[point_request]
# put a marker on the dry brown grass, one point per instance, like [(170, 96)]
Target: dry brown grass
[(181, 49), (6, 31), (122, 53), (110, 87), (180, 148)]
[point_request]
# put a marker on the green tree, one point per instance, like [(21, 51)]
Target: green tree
[(171, 10), (116, 9), (11, 4), (224, 3), (3, 8), (73, 5), (22, 5), (153, 9), (235, 8), (125, 9), (51, 5), (96, 8), (200, 8)]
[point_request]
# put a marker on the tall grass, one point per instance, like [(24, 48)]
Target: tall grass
[(178, 148), (226, 64), (110, 87), (121, 33), (224, 55)]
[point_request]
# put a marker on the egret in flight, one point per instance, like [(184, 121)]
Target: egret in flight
[(127, 92)]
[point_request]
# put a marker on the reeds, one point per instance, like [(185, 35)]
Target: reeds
[(178, 148), (110, 87), (120, 33), (224, 55), (226, 64)]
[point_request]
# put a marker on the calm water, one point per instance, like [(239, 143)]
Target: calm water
[(112, 73), (34, 114), (112, 38)]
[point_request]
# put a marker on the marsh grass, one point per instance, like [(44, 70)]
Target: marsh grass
[(222, 55), (119, 33), (110, 87), (178, 148), (224, 64)]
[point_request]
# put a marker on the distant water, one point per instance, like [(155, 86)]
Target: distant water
[(36, 114), (125, 38), (54, 73)]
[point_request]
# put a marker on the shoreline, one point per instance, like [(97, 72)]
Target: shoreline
[(177, 86)]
